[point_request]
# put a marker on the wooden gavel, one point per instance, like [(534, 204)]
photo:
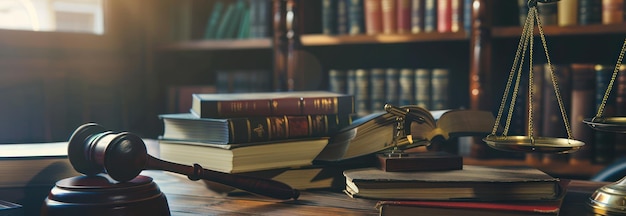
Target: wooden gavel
[(93, 150)]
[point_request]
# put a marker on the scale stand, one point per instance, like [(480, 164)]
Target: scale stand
[(397, 160), (609, 199), (530, 143)]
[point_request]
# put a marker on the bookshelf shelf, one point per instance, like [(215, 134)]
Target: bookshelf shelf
[(515, 31), (240, 44), (331, 40)]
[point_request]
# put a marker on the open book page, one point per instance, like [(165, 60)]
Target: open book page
[(455, 122)]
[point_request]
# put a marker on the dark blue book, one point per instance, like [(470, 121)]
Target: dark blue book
[(589, 12), (329, 16), (356, 17)]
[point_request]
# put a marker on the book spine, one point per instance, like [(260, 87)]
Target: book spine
[(467, 15), (548, 14), (254, 7), (567, 13), (356, 17), (273, 107), (444, 15), (337, 81), (620, 110), (612, 11), (351, 83), (389, 16), (456, 20), (342, 17), (589, 12), (265, 22), (430, 15), (361, 93), (583, 94), (604, 141), (403, 16), (422, 88), (417, 16), (373, 17), (329, 16), (553, 125), (262, 129), (439, 88), (406, 87), (522, 5), (392, 84), (377, 89)]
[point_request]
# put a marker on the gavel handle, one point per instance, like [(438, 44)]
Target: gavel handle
[(261, 186)]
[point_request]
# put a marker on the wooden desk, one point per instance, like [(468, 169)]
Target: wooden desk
[(187, 197)]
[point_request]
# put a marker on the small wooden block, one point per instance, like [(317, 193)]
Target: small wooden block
[(420, 161)]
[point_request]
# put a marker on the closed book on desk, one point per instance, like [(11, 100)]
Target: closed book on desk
[(477, 183), (238, 158), (186, 126), (410, 207), (229, 105)]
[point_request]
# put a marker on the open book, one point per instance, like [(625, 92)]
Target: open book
[(374, 133)]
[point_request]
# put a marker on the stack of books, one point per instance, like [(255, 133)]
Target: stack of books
[(472, 190), (273, 135)]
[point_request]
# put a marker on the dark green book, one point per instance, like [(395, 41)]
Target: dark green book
[(211, 28)]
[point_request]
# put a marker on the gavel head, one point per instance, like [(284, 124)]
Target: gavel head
[(93, 150)]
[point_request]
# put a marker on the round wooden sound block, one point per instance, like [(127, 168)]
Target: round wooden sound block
[(101, 195)]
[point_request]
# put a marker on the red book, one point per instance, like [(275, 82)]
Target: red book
[(403, 16), (444, 15), (227, 105), (373, 17), (410, 207), (390, 21)]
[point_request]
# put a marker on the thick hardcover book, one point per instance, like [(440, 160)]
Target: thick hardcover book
[(356, 17), (405, 80), (403, 15), (583, 94), (186, 126), (604, 142), (444, 16), (329, 16), (612, 11), (228, 105), (472, 183), (373, 17), (422, 87), (589, 12), (417, 16), (430, 15), (553, 122), (424, 207), (236, 158), (567, 13), (389, 16), (374, 133)]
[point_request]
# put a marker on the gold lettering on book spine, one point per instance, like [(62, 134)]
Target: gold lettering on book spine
[(325, 104)]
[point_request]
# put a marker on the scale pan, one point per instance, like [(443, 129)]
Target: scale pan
[(541, 144), (608, 124)]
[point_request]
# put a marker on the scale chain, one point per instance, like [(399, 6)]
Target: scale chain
[(610, 86)]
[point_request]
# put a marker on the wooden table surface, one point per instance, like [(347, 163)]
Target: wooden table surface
[(186, 197)]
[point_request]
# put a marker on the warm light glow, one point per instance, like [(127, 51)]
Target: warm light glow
[(475, 92)]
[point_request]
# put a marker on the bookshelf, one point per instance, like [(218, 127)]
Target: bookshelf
[(479, 57)]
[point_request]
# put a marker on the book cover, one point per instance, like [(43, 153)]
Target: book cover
[(439, 93), (374, 133), (612, 11), (356, 17), (210, 32), (567, 13), (362, 92), (186, 126), (264, 18), (389, 16), (405, 81), (343, 22), (228, 105), (444, 16), (422, 87), (377, 89), (417, 16), (430, 15), (403, 16), (329, 16), (337, 81), (243, 157), (373, 17), (409, 207), (456, 16), (583, 94), (589, 12), (472, 183), (392, 85)]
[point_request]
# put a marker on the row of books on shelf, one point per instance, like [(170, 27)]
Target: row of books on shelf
[(582, 88), (239, 81), (238, 19), (373, 88), (577, 12), (353, 17)]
